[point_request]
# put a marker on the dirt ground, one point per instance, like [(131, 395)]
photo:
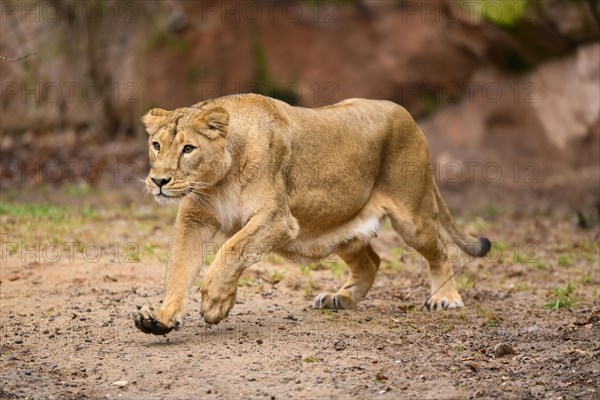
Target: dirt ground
[(74, 270)]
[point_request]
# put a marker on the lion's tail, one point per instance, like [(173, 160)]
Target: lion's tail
[(477, 247)]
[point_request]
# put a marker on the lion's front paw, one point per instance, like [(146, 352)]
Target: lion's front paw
[(444, 302), (334, 301), (217, 299), (150, 320)]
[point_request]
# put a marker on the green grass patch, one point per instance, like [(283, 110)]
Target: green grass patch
[(307, 268), (563, 298), (465, 282), (33, 211), (77, 190), (247, 281), (274, 277), (45, 211), (564, 260), (490, 211), (308, 289), (587, 278), (479, 223), (492, 319)]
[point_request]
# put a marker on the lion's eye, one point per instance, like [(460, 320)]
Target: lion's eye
[(188, 148), (156, 146)]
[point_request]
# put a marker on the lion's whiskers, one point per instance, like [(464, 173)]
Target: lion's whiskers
[(199, 200)]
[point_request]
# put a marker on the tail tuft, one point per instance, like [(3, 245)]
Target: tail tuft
[(476, 247), (484, 246)]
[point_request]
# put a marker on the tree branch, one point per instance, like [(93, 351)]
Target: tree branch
[(17, 59)]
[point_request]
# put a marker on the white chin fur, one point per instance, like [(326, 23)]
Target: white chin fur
[(165, 201)]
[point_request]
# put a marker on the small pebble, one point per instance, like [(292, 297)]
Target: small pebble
[(120, 383), (503, 349), (18, 340)]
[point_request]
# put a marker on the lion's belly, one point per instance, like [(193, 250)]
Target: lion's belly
[(315, 245), (320, 209)]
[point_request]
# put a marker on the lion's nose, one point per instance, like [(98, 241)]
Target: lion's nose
[(160, 182)]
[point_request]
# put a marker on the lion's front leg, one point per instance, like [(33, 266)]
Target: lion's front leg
[(218, 294), (184, 261), (251, 244)]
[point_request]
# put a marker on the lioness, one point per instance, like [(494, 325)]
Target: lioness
[(320, 182)]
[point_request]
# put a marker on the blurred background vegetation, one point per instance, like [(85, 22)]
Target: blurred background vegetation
[(511, 82)]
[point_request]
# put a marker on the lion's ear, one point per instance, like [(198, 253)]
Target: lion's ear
[(154, 118), (213, 122)]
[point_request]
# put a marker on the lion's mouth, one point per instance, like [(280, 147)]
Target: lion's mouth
[(168, 196), (164, 195), (168, 193), (167, 199)]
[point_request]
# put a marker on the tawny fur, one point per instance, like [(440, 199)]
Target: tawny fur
[(304, 183)]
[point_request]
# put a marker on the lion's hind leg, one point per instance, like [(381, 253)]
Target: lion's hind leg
[(421, 231), (363, 265)]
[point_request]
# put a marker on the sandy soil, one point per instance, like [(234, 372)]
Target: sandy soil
[(530, 329)]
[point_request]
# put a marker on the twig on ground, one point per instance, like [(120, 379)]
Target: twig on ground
[(17, 59)]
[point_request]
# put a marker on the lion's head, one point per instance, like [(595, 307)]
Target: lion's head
[(188, 151)]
